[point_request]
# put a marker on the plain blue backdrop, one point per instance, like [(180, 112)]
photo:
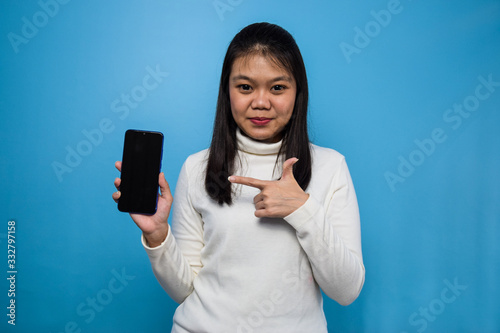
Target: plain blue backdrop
[(408, 91)]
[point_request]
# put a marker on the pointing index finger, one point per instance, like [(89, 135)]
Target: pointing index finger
[(248, 181)]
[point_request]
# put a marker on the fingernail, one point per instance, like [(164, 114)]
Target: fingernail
[(230, 178)]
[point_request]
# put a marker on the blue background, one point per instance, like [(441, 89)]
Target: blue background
[(429, 211)]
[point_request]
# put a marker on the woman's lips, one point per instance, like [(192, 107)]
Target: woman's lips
[(260, 121)]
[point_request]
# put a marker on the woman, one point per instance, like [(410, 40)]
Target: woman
[(249, 253)]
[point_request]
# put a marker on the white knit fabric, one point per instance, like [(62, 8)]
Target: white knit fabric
[(233, 272)]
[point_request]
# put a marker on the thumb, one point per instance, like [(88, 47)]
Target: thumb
[(164, 187), (288, 168)]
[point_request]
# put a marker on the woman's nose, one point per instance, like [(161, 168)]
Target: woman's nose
[(261, 101)]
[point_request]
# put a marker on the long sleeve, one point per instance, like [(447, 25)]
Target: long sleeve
[(328, 230), (177, 261)]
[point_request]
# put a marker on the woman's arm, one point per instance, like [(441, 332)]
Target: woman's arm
[(329, 233), (177, 261), (328, 228)]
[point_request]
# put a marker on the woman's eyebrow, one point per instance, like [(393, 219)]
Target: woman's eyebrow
[(278, 78), (241, 77), (282, 78)]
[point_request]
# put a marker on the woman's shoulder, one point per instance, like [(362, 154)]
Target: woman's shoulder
[(197, 159), (329, 168), (194, 166), (324, 155)]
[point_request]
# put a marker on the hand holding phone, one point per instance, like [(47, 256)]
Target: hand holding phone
[(154, 227)]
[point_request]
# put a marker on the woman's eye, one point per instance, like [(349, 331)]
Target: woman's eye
[(245, 87), (278, 87)]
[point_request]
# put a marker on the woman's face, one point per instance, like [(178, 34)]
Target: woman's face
[(262, 97)]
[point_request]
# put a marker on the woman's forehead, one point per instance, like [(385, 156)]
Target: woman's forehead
[(259, 65)]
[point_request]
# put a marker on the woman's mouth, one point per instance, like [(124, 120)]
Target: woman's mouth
[(260, 121)]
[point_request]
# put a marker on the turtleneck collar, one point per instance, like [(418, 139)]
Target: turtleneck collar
[(251, 146)]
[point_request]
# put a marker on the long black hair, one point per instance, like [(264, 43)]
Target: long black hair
[(276, 43)]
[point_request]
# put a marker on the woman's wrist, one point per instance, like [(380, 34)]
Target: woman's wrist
[(156, 238)]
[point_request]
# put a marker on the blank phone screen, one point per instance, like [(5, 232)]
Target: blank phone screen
[(141, 164)]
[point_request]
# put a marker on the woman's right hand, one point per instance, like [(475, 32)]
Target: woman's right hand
[(154, 227)]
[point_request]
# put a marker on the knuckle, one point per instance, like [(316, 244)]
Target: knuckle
[(266, 193)]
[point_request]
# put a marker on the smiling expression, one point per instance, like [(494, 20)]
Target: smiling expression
[(262, 97)]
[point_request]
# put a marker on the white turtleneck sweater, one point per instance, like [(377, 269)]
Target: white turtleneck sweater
[(233, 272)]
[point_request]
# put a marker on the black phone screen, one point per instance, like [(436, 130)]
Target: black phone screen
[(141, 164)]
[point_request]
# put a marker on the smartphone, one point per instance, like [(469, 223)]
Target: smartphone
[(141, 164)]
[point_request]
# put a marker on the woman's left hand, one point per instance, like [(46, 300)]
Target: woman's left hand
[(278, 198)]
